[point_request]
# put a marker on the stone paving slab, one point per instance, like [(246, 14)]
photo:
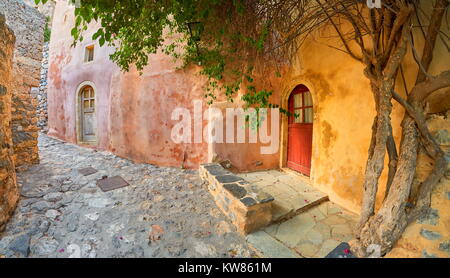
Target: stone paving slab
[(315, 232), (306, 224), (87, 171), (292, 195), (108, 184), (269, 247)]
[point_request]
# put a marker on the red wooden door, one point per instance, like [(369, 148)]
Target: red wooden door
[(300, 130)]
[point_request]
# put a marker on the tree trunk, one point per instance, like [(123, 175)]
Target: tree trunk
[(377, 151), (393, 160), (387, 226)]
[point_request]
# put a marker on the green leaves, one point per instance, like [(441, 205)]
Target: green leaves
[(74, 32), (98, 34), (218, 44)]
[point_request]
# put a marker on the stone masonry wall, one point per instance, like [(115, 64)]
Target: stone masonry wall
[(45, 9), (8, 187), (28, 26), (41, 94)]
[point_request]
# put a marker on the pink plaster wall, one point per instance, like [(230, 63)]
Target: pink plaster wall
[(133, 111), (67, 71), (141, 109)]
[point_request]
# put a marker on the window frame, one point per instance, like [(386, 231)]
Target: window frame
[(300, 90), (91, 99), (88, 49)]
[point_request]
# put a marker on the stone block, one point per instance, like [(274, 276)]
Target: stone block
[(269, 247)]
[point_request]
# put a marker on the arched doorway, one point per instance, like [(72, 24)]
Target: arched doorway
[(87, 120), (300, 130)]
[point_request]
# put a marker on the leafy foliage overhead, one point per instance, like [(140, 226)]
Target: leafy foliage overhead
[(224, 37), (230, 39)]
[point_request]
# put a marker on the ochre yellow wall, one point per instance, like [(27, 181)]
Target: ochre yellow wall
[(344, 110), (343, 116), (134, 111)]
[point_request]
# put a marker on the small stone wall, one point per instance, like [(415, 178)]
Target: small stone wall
[(8, 187), (41, 94), (248, 208)]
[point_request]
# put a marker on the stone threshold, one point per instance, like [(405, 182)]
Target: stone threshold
[(255, 200), (298, 175), (281, 216)]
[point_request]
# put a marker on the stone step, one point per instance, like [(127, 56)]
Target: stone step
[(256, 200), (248, 208), (292, 195)]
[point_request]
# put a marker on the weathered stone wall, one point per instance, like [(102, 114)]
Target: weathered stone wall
[(41, 94), (45, 9), (8, 188), (28, 26)]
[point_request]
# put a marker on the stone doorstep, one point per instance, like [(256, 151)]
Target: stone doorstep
[(287, 208), (247, 205), (297, 175), (248, 208)]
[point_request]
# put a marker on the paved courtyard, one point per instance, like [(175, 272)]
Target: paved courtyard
[(306, 223), (311, 234), (292, 194), (164, 212)]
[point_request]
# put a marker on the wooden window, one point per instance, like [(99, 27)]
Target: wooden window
[(301, 104), (88, 97), (89, 54)]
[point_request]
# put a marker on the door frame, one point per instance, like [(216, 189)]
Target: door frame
[(287, 89), (78, 125)]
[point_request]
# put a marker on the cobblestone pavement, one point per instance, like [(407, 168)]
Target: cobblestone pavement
[(165, 212)]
